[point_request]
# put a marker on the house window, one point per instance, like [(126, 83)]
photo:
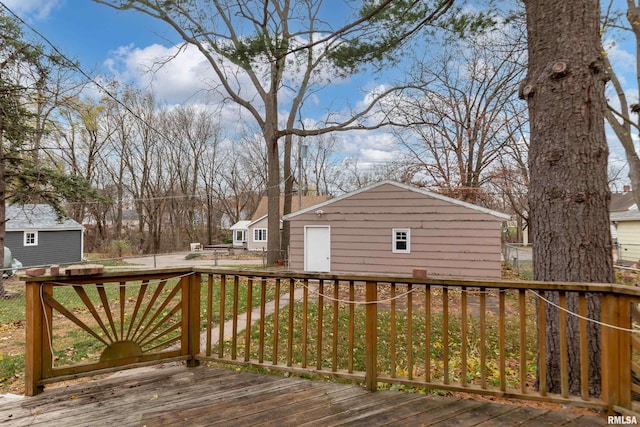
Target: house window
[(260, 235), (401, 240), (240, 236), (31, 238)]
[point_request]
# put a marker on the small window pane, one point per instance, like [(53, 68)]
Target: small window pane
[(30, 238), (260, 235), (401, 241)]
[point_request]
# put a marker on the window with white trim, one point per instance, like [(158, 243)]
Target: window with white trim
[(401, 240), (240, 236), (260, 235), (30, 238)]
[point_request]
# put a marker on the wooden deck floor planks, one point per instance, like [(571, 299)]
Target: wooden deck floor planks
[(179, 396)]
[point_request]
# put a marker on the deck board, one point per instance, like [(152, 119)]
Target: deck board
[(178, 396)]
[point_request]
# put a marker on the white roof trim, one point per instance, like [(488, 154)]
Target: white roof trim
[(240, 225), (23, 229), (251, 224), (630, 215), (406, 187)]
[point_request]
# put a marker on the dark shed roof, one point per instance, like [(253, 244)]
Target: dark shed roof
[(37, 217)]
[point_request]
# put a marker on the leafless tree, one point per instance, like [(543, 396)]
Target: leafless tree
[(189, 133), (269, 57), (460, 119)]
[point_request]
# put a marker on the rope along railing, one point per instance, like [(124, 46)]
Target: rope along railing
[(470, 336), (476, 292), (458, 335)]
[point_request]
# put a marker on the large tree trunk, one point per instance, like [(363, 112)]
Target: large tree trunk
[(569, 195), (288, 195), (273, 195)]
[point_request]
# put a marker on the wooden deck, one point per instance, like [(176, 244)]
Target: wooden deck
[(181, 396)]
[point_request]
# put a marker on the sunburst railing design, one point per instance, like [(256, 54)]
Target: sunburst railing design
[(152, 324), (111, 322)]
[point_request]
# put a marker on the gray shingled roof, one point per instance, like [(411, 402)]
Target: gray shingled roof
[(631, 215), (37, 217), (621, 202), (497, 214)]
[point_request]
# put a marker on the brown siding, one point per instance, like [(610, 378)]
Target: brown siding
[(446, 238)]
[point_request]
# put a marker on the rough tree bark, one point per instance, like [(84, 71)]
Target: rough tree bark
[(569, 195)]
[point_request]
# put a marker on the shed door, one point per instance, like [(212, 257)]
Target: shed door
[(317, 248)]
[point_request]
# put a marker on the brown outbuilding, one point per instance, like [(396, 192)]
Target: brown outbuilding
[(389, 227)]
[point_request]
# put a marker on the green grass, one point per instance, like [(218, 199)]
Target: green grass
[(11, 368), (73, 345), (418, 346), (525, 268), (13, 309)]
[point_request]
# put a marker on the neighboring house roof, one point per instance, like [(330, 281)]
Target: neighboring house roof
[(497, 214), (37, 217), (629, 215), (262, 209), (622, 202), (241, 225)]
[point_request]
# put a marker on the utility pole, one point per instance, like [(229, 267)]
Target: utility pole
[(302, 154)]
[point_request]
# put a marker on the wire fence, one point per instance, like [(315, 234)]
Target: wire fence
[(519, 259), (12, 301), (12, 289), (626, 254)]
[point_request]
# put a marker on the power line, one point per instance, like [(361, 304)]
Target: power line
[(87, 76)]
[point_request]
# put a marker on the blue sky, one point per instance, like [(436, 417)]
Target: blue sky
[(124, 44), (86, 30)]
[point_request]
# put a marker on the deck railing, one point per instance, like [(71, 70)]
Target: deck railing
[(434, 333)]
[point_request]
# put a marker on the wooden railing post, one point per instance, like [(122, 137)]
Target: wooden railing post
[(192, 285), (624, 341), (36, 339), (371, 335), (610, 337)]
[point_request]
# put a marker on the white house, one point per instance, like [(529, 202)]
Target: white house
[(258, 229), (625, 231)]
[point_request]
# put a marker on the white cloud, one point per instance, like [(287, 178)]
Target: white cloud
[(622, 60), (370, 147), (40, 9), (181, 75), (175, 75)]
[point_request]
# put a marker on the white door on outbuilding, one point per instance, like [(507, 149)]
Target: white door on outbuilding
[(317, 248)]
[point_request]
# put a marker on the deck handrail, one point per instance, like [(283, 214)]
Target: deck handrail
[(432, 328)]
